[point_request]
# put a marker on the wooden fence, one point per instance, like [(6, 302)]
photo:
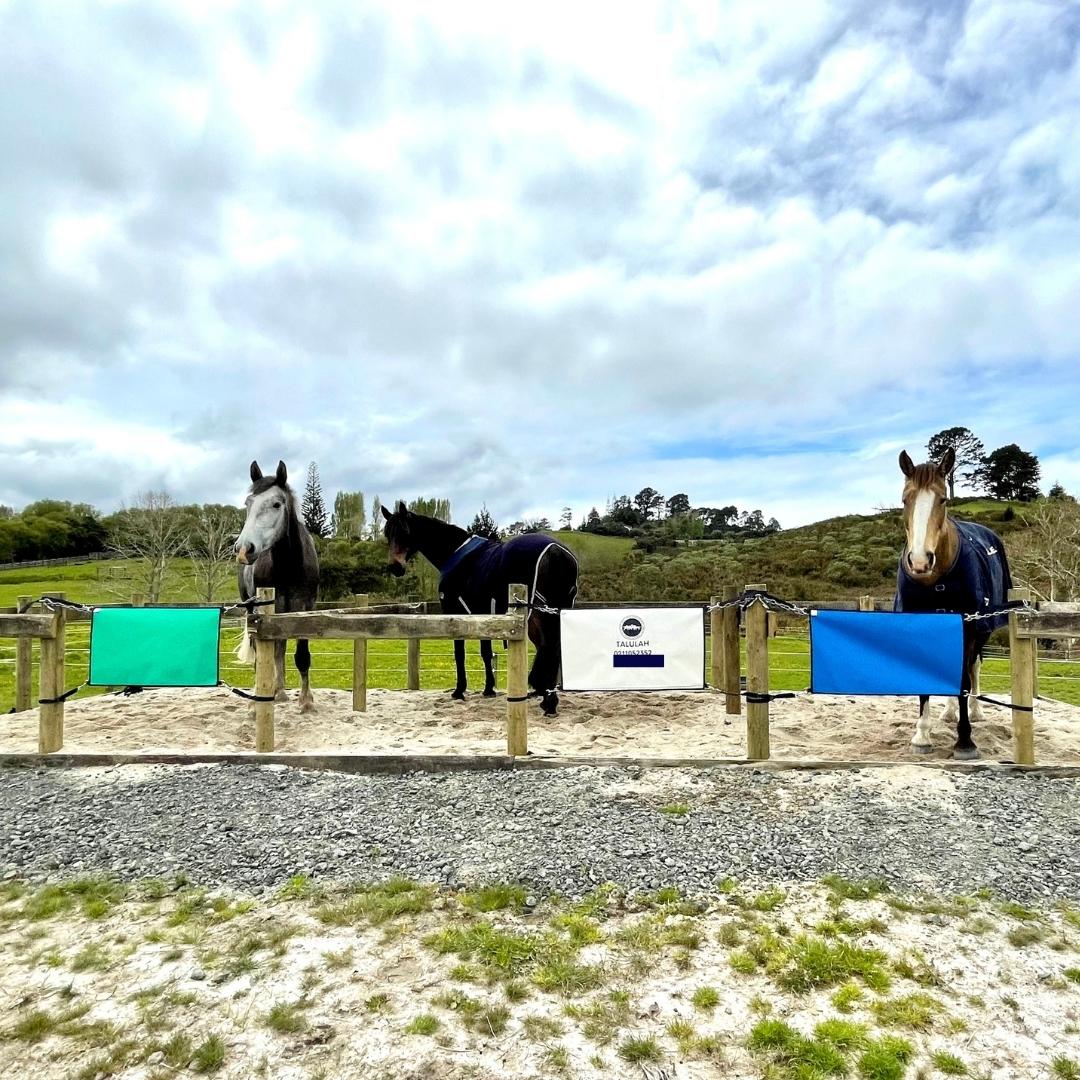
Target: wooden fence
[(416, 621)]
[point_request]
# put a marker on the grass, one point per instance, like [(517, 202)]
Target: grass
[(1065, 1068), (705, 998), (948, 1064), (424, 1024), (641, 1049), (376, 904), (494, 898), (914, 1011)]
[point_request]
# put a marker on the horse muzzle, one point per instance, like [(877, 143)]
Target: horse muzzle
[(245, 553), (396, 569)]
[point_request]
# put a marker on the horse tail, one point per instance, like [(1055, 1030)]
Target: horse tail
[(245, 651)]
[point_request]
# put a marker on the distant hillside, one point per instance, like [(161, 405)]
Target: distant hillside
[(832, 559)]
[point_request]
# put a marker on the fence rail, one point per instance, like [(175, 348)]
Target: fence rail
[(417, 620)]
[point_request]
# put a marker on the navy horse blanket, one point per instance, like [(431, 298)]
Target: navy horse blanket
[(978, 580), (477, 577)]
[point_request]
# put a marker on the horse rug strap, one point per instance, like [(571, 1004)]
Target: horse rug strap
[(881, 652), (977, 581), (155, 646), (633, 649)]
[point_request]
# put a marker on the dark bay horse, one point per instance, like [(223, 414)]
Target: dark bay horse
[(475, 575), (275, 550), (949, 565)]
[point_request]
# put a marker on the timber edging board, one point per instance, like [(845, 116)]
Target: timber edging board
[(401, 764)]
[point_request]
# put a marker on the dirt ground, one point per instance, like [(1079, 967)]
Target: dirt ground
[(675, 724)]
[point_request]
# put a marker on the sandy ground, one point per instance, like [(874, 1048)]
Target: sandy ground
[(674, 724), (1006, 1010)]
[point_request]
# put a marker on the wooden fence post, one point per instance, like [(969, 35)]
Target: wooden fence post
[(138, 600), (716, 644), (24, 664), (757, 678), (730, 645), (517, 731), (51, 684), (866, 603), (265, 681), (1020, 663), (412, 681), (359, 674)]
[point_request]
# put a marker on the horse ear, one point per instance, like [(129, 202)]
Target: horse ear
[(256, 472), (907, 466), (948, 460), (386, 513), (281, 476), (401, 508)]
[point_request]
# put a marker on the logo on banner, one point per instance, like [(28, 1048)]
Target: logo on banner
[(634, 651)]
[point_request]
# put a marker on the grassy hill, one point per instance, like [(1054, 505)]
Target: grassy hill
[(840, 557)]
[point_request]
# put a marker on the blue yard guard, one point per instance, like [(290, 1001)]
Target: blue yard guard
[(883, 652)]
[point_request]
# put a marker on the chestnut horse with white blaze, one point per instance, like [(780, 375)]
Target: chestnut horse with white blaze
[(954, 566), (275, 550)]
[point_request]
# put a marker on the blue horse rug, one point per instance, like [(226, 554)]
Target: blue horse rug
[(978, 581), (477, 577)]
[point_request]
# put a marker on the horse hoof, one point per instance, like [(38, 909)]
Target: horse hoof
[(919, 748), (968, 753), (458, 695), (549, 704), (489, 693), (307, 706)]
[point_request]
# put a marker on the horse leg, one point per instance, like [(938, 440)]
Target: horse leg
[(279, 667), (459, 660), (544, 633), (965, 749), (920, 741), (489, 670), (303, 665), (975, 706)]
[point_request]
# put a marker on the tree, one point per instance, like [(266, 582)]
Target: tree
[(484, 525), (592, 522), (348, 520), (969, 453), (312, 508), (150, 534), (1047, 553), (646, 501), (678, 504), (376, 527), (1058, 492), (1010, 473), (211, 531), (566, 519), (430, 507)]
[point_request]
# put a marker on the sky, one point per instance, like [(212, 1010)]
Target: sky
[(532, 258)]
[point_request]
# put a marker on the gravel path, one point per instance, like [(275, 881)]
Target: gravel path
[(563, 831)]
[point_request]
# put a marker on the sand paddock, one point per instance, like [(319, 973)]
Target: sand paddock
[(676, 724)]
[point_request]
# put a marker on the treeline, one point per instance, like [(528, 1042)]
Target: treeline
[(650, 514), (1005, 473)]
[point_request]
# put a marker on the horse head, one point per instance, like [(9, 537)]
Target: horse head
[(398, 533), (925, 514), (269, 506)]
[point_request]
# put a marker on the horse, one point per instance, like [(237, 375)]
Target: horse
[(950, 565), (475, 575), (275, 550)]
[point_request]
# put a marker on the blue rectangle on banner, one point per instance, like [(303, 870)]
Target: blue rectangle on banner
[(882, 652), (629, 660)]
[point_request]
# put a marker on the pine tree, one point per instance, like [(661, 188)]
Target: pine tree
[(313, 509), (484, 525)]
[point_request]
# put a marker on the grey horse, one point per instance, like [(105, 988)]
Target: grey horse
[(275, 550)]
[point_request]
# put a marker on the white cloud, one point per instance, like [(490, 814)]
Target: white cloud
[(451, 250)]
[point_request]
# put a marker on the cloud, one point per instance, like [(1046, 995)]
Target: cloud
[(456, 252)]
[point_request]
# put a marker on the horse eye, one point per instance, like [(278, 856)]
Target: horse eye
[(277, 506)]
